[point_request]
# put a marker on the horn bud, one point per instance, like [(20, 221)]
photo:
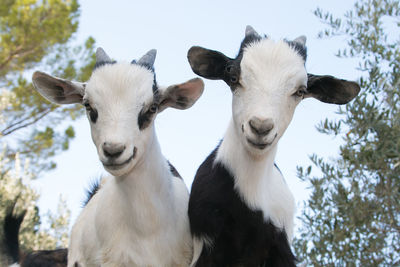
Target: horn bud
[(101, 55), (250, 31), (148, 59)]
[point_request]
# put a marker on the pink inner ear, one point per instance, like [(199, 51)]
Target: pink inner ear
[(192, 88), (67, 89)]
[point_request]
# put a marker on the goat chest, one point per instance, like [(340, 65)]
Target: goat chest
[(233, 234)]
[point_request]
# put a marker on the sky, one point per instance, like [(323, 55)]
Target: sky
[(128, 29)]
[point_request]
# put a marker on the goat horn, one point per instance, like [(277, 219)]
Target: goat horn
[(301, 40), (148, 59), (101, 55), (250, 31)]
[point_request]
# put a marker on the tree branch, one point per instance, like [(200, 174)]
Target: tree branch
[(7, 132)]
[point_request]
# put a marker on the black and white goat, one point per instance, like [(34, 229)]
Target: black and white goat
[(138, 217), (241, 210), (14, 257)]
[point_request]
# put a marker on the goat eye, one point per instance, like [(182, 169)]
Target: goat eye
[(301, 91), (153, 108), (87, 105)]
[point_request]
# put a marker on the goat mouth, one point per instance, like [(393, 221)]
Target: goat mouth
[(116, 166), (260, 145)]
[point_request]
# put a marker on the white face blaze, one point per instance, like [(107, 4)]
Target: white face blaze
[(121, 106), (118, 93), (272, 73)]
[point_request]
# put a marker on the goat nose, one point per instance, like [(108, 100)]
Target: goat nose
[(261, 127), (113, 150)]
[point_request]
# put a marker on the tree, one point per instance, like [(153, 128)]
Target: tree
[(36, 34), (352, 217)]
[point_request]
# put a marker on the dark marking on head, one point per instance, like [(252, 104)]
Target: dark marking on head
[(144, 118), (94, 187), (155, 86), (299, 48), (214, 65), (103, 63), (232, 69), (146, 114), (249, 39), (150, 68), (93, 114)]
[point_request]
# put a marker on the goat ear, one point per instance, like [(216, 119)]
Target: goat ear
[(58, 90), (181, 96), (332, 90), (207, 63)]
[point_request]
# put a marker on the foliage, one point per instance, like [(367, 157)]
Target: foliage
[(353, 215), (38, 35), (16, 186)]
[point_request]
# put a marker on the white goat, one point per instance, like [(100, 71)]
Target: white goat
[(240, 209), (139, 215)]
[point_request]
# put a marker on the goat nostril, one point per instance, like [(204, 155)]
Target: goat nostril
[(113, 150), (261, 127)]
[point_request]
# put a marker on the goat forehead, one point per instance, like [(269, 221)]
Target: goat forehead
[(267, 64), (119, 85)]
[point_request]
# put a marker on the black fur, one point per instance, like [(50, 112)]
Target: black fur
[(40, 258), (207, 63), (174, 170), (102, 63), (11, 229), (276, 166), (215, 65), (46, 258), (249, 39), (144, 118), (299, 48), (240, 236), (332, 90), (148, 112), (94, 187)]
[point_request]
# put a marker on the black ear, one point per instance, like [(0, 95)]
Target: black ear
[(207, 63), (332, 90)]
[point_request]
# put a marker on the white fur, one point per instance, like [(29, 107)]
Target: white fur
[(197, 249), (265, 92), (136, 220), (259, 183), (139, 216), (118, 92)]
